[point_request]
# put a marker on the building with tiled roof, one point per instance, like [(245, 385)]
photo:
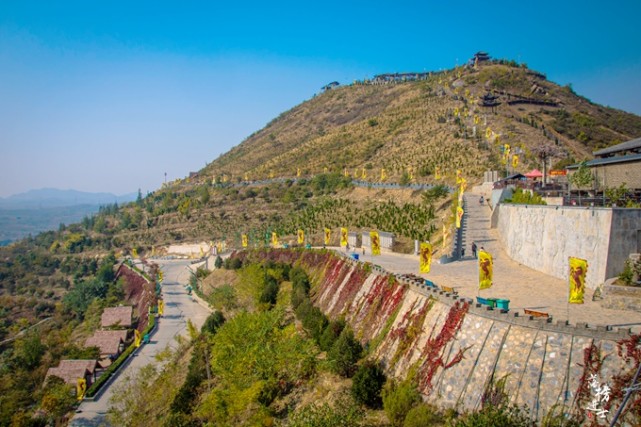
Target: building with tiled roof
[(117, 316), (615, 166), (625, 148), (110, 343), (72, 370)]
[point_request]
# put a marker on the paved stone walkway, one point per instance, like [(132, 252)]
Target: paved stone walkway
[(523, 286)]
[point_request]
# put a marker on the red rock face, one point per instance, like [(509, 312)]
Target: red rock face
[(138, 292)]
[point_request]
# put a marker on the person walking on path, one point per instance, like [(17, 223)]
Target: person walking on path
[(474, 248)]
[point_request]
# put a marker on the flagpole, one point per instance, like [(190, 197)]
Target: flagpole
[(478, 275)]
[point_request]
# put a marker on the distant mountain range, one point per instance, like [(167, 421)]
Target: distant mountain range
[(52, 197), (42, 210)]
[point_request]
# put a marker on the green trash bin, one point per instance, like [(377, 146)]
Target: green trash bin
[(503, 304)]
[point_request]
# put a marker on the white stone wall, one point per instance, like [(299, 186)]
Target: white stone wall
[(387, 239), (366, 240), (625, 238), (543, 237)]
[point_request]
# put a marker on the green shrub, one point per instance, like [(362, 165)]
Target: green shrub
[(627, 274), (232, 263), (519, 196), (219, 262), (435, 193), (503, 416), (331, 334), (345, 353), (177, 419), (270, 291), (312, 318), (556, 417), (223, 297), (298, 276), (343, 413), (423, 415), (298, 297), (399, 399), (185, 397), (367, 384), (214, 321)]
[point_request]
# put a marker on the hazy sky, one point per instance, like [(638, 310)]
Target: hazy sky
[(108, 96)]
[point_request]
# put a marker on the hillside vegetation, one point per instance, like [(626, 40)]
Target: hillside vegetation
[(421, 125), (408, 129)]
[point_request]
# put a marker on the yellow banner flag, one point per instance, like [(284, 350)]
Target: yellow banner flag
[(437, 173), (578, 270), (81, 388), (134, 253), (271, 174), (298, 172), (376, 242), (345, 173), (488, 133), (459, 216), (325, 170), (456, 112), (485, 270), (425, 260), (343, 237), (244, 240), (446, 233), (363, 174), (301, 237), (515, 161), (137, 338), (477, 120), (328, 236), (459, 177), (161, 307), (246, 176), (160, 275), (410, 173), (274, 239), (383, 175), (463, 185)]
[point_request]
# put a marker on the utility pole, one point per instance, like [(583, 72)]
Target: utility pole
[(635, 386)]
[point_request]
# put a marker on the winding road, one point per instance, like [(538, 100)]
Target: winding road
[(179, 307)]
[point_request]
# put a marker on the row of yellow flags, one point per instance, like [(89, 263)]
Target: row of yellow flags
[(410, 171), (578, 271), (489, 134), (327, 234)]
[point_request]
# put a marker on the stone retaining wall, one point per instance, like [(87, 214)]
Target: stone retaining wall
[(543, 360), (543, 237)]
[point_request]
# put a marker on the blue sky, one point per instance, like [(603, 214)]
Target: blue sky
[(108, 96)]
